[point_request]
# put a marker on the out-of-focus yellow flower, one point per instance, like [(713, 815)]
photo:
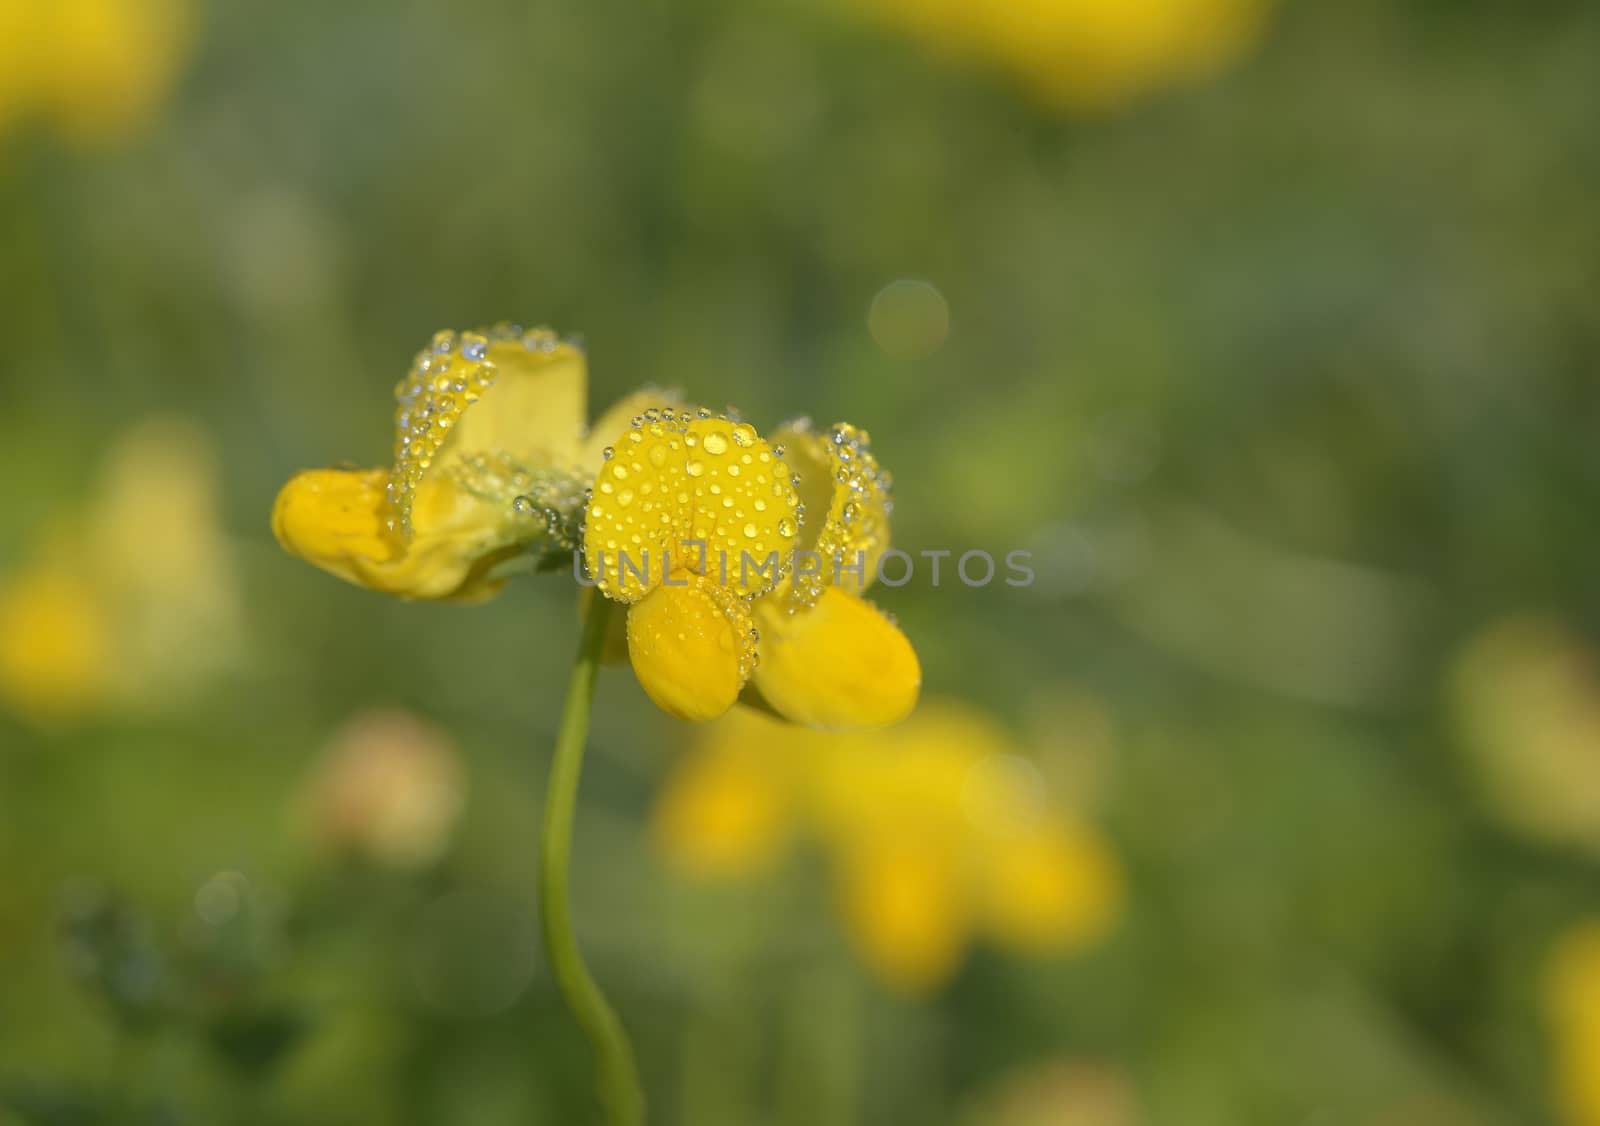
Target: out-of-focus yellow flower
[(390, 788), (1572, 1009), (691, 520), (1061, 1093), (132, 603), (728, 811), (938, 829), (1086, 55), (97, 69), (1526, 696), (55, 644)]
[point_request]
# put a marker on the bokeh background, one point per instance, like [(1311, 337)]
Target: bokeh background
[(1270, 331)]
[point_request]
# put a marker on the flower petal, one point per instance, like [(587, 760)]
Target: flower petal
[(707, 493), (1051, 886), (692, 646), (517, 398), (840, 664), (727, 809), (336, 519), (619, 416), (903, 901), (846, 501)]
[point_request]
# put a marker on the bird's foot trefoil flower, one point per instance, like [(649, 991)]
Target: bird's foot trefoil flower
[(741, 571), (742, 562)]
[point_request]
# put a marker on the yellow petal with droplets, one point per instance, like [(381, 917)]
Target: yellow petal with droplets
[(520, 398), (681, 490), (839, 664), (905, 907), (1054, 886), (619, 415), (847, 501), (336, 520), (725, 812), (692, 646)]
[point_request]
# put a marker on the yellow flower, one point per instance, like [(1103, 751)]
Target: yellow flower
[(98, 69), (939, 831), (1572, 1010), (55, 648), (1086, 55), (132, 601), (739, 565), (691, 520)]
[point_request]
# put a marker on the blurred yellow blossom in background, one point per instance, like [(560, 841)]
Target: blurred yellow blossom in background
[(939, 831), (55, 648), (1572, 1008), (96, 69), (1526, 699), (389, 788), (131, 602), (1086, 56)]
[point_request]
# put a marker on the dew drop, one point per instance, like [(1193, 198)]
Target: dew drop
[(658, 456), (749, 531), (716, 443), (695, 467), (744, 434), (786, 527), (619, 472), (522, 506), (625, 497)]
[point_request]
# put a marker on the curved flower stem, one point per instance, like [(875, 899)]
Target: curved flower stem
[(617, 1076)]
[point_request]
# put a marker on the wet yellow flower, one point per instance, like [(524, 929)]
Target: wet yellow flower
[(1086, 55), (390, 789), (691, 520), (97, 69), (130, 602), (1572, 1011), (741, 565), (1526, 697), (938, 829)]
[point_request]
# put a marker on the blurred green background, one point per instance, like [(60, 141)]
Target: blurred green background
[(1282, 364)]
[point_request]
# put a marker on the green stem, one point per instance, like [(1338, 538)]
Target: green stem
[(617, 1076)]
